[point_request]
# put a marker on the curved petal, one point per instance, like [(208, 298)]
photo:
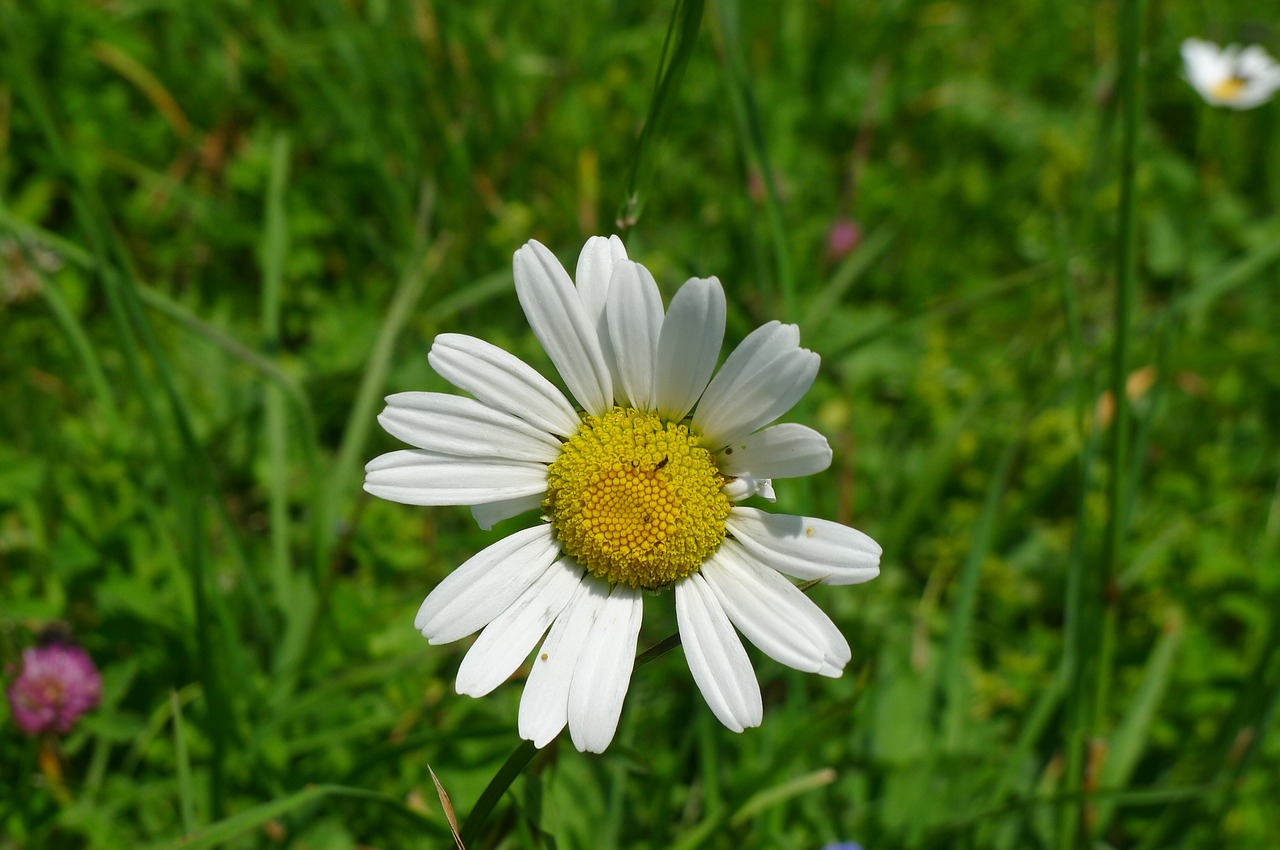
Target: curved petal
[(779, 451), (508, 640), (634, 313), (490, 514), (503, 381), (464, 427), (762, 379), (544, 706), (475, 593), (595, 270), (806, 547), (688, 346), (418, 477), (603, 671), (718, 662), (744, 487), (1204, 63), (774, 614), (561, 324)]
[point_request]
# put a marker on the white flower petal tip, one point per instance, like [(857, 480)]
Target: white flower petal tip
[(561, 323), (1230, 77), (689, 346), (780, 451), (507, 641), (634, 317), (717, 660), (592, 279), (418, 477), (806, 547), (762, 379), (774, 614), (544, 706), (594, 272), (502, 381), (463, 427), (603, 671), (477, 592)]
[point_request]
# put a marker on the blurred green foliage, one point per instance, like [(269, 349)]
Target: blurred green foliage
[(227, 228)]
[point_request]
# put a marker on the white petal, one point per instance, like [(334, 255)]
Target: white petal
[(464, 427), (560, 322), (502, 381), (492, 513), (762, 379), (417, 477), (1204, 64), (806, 547), (780, 451), (634, 313), (603, 671), (475, 593), (689, 346), (774, 614), (595, 269), (1254, 62), (744, 487), (718, 662), (544, 706), (508, 640)]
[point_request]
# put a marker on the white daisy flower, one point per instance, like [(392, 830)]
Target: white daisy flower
[(1233, 77), (639, 489)]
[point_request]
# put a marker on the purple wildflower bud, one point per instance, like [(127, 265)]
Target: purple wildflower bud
[(57, 684), (843, 845), (843, 236)]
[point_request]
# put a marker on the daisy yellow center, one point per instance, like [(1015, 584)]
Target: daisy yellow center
[(1229, 89), (635, 500)]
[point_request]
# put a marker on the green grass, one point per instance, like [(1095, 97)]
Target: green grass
[(228, 229)]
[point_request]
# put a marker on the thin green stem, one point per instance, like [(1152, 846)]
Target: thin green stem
[(677, 50), (511, 768), (274, 249), (1101, 598)]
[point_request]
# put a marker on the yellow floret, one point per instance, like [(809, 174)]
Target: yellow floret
[(635, 500)]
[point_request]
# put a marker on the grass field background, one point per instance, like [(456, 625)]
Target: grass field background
[(227, 229)]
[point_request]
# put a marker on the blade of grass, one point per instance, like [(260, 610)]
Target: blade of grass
[(1075, 641), (820, 306), (1213, 286), (756, 804), (1130, 737), (83, 348), (241, 824), (1100, 614), (677, 50), (746, 113), (780, 793), (960, 626), (475, 823), (186, 794), (275, 239)]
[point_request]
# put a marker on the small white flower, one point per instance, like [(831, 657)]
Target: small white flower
[(1233, 77), (638, 492)]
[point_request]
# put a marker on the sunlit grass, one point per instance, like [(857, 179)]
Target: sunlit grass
[(258, 218)]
